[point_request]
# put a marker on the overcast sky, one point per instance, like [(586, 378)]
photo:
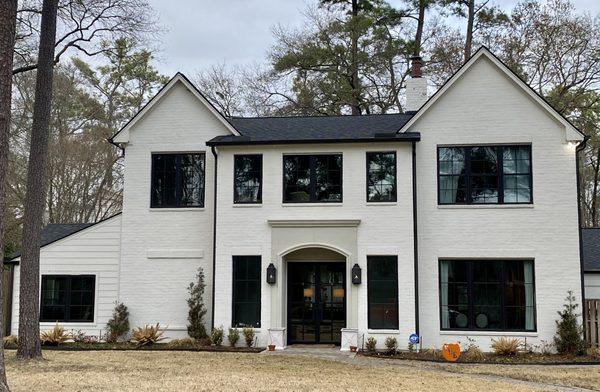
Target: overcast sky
[(204, 32)]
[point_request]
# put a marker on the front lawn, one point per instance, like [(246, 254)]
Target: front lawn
[(202, 371)]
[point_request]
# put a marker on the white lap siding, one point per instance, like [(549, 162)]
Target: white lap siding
[(92, 251)]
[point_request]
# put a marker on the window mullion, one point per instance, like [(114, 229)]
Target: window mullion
[(67, 298), (500, 163), (468, 173), (470, 295), (503, 295), (312, 186)]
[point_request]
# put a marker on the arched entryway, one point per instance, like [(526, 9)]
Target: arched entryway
[(316, 295)]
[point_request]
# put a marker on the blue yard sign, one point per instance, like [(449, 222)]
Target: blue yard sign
[(413, 338)]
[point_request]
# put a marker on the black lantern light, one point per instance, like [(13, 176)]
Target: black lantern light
[(356, 272), (271, 274)]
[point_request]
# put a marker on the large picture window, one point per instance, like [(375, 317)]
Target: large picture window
[(67, 298), (246, 291), (487, 295), (484, 175), (381, 176), (312, 178), (382, 276), (177, 180), (247, 187)]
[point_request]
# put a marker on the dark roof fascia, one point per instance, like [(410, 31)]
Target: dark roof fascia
[(591, 272), (484, 47), (244, 141), (13, 261), (111, 139)]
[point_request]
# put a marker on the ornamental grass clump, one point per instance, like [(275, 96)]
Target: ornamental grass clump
[(148, 335), (371, 345), (54, 336), (217, 336), (182, 343), (233, 336), (473, 354), (249, 336), (506, 346), (11, 341), (569, 333)]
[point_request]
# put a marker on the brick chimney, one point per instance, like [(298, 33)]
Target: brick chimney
[(416, 86)]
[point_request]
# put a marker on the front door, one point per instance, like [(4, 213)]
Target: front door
[(316, 302)]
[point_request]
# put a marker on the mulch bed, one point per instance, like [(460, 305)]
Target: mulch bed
[(154, 347), (519, 359)]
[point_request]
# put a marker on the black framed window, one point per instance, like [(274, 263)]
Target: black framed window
[(497, 295), (67, 298), (246, 291), (312, 178), (382, 285), (247, 186), (381, 176), (177, 180), (485, 175)]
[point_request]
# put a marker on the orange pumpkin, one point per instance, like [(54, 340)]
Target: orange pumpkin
[(451, 351)]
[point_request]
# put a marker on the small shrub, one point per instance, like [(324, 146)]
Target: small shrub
[(182, 343), (11, 341), (217, 336), (197, 311), (473, 353), (391, 344), (249, 335), (204, 341), (147, 335), (118, 325), (594, 352), (82, 337), (569, 334), (54, 336), (506, 346), (371, 345), (233, 336)]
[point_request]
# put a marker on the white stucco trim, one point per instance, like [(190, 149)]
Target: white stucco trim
[(313, 222), (333, 248), (571, 133), (122, 136)]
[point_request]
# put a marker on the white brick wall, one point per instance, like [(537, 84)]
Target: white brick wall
[(155, 289), (486, 107), (93, 251)]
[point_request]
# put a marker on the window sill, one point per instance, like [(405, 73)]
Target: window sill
[(482, 206), (312, 204), (490, 333), (383, 331), (382, 203), (82, 324), (248, 205), (176, 209)]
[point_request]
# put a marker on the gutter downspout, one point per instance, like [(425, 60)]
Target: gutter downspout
[(214, 250), (580, 148), (415, 235)]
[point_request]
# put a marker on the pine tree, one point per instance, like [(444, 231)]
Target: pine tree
[(197, 311), (568, 338), (118, 325)]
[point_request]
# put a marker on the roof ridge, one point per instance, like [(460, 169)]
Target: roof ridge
[(321, 116)]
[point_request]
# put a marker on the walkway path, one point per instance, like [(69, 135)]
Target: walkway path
[(331, 353)]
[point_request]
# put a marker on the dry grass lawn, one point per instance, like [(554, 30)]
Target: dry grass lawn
[(197, 371), (572, 375)]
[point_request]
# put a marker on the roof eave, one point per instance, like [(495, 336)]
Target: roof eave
[(406, 137)]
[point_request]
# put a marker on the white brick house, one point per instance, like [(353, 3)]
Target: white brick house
[(455, 220)]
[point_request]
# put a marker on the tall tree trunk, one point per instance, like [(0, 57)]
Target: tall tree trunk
[(8, 20), (354, 82), (420, 24), (29, 327), (470, 23)]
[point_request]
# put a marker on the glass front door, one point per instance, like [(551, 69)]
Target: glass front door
[(316, 302)]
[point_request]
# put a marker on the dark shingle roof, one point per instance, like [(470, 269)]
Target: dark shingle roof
[(591, 249), (257, 130), (54, 232)]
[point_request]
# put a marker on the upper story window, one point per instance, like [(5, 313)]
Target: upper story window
[(67, 298), (484, 175), (177, 180), (494, 295), (247, 187), (312, 178), (381, 176)]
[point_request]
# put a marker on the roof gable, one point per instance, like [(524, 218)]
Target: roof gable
[(571, 132), (122, 136)]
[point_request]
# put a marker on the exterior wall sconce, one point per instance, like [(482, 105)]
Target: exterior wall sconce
[(356, 274), (271, 274)]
